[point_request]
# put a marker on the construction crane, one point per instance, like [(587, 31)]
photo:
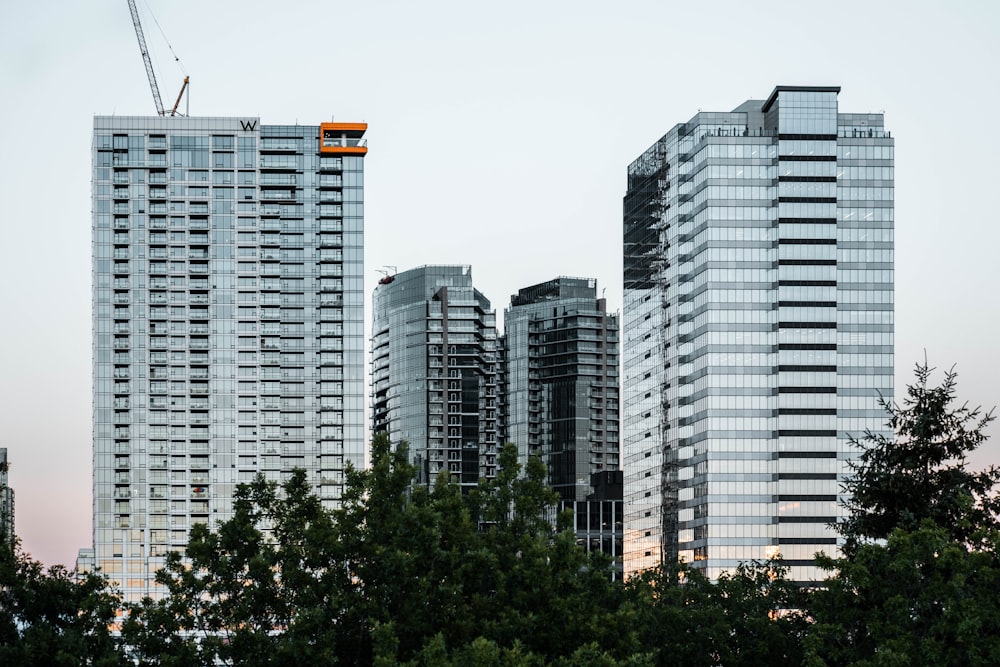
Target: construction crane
[(149, 66)]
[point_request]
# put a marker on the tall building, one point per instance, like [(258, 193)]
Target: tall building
[(758, 311), (6, 501), (559, 391), (434, 372), (227, 322), (560, 381)]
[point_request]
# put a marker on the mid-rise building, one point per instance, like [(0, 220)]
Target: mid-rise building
[(6, 501), (227, 322), (559, 391), (560, 381), (758, 328), (434, 372)]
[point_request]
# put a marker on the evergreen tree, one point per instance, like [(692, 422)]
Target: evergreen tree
[(917, 581), (921, 473)]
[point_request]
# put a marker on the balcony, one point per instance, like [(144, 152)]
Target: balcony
[(328, 255), (278, 162), (329, 225), (278, 195)]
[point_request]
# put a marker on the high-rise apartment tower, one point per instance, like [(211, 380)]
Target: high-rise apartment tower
[(758, 328), (6, 500), (434, 372), (227, 322), (559, 391), (560, 381)]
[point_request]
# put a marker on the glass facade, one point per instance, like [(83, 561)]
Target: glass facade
[(6, 500), (559, 400), (560, 381), (227, 323), (434, 372), (758, 320)]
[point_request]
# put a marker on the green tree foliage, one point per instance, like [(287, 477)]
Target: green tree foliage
[(921, 598), (405, 575), (49, 619), (267, 588), (749, 617), (402, 574), (921, 473), (917, 583)]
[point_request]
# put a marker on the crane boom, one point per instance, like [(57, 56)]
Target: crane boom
[(145, 58), (187, 80)]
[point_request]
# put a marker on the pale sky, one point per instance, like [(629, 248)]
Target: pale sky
[(499, 136)]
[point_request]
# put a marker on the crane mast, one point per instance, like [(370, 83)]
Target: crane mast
[(145, 59)]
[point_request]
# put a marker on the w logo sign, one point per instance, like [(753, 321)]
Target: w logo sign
[(248, 125)]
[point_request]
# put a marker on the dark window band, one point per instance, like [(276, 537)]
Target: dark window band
[(808, 158), (806, 540), (807, 283), (807, 325), (808, 137), (807, 200), (807, 390), (807, 179), (806, 368)]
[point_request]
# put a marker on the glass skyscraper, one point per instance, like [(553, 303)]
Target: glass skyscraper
[(560, 381), (227, 322), (6, 501), (434, 372), (559, 400), (758, 328)]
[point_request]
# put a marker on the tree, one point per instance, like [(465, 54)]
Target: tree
[(749, 617), (541, 589), (48, 618), (921, 473), (400, 573), (917, 581), (920, 598), (266, 588)]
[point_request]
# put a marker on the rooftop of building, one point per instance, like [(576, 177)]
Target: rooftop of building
[(796, 89), (562, 287)]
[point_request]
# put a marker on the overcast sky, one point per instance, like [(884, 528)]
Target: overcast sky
[(499, 136)]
